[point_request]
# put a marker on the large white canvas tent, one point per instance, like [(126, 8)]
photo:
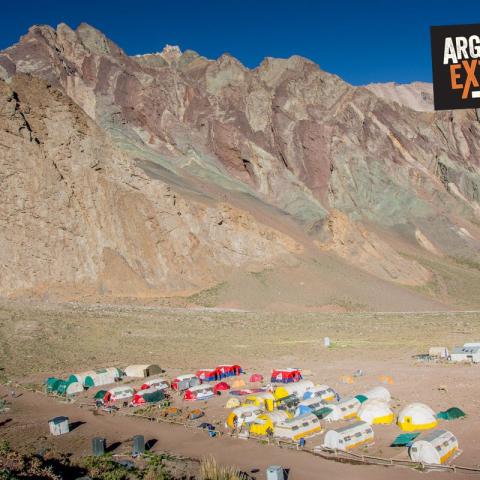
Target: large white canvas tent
[(343, 409), (156, 383), (142, 371), (96, 378), (416, 416), (298, 427), (438, 352), (323, 392), (310, 405), (434, 448), (119, 394), (73, 387), (466, 354), (351, 436), (199, 392), (185, 381), (375, 411)]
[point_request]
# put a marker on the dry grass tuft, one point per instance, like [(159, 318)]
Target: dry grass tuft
[(210, 470)]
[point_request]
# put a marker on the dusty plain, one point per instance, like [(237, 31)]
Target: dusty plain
[(37, 341)]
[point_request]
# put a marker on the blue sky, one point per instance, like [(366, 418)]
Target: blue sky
[(362, 41)]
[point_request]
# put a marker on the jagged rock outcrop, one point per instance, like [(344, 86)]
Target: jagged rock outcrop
[(285, 142)]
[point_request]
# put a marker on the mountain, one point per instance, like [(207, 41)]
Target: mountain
[(172, 175), (416, 95)]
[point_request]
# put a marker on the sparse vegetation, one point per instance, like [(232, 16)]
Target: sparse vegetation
[(105, 468), (210, 470), (15, 465), (207, 297)]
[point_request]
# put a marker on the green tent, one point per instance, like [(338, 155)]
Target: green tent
[(361, 398), (99, 395), (322, 412), (52, 384), (62, 387), (404, 439), (153, 397), (451, 414)]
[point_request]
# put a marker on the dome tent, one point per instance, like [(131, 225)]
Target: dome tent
[(416, 416), (375, 411), (220, 386), (379, 393)]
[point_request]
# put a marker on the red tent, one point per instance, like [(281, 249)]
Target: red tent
[(221, 386), (287, 375), (207, 374), (256, 377), (224, 371)]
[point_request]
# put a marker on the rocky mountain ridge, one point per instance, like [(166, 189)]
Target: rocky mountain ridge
[(224, 169)]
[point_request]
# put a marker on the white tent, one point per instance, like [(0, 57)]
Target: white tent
[(351, 436), (119, 394), (310, 405), (295, 428), (416, 416), (378, 393), (199, 392), (343, 409), (142, 371), (434, 448), (99, 378), (438, 352), (156, 383), (184, 382), (73, 387), (375, 411), (323, 392), (466, 354), (95, 378)]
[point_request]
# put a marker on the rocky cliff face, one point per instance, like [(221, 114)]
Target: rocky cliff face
[(171, 169), (416, 95)]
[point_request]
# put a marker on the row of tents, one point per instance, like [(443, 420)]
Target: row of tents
[(77, 382)]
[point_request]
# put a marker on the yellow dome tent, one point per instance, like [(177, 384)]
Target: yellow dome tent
[(416, 416)]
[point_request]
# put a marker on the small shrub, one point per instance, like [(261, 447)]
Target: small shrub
[(105, 468), (210, 470)]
